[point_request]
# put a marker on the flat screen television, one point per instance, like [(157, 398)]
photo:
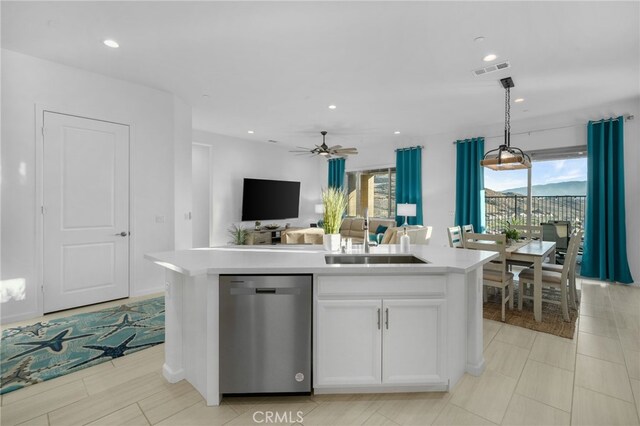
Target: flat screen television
[(270, 199)]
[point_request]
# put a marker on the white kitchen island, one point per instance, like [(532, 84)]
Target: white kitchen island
[(376, 327)]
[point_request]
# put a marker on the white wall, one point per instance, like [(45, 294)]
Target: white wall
[(27, 81), (438, 162), (234, 159), (182, 168)]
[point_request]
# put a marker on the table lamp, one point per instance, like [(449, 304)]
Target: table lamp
[(406, 210)]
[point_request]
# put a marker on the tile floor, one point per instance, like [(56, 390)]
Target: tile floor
[(531, 378)]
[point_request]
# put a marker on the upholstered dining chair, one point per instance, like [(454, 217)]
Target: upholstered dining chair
[(558, 278), (494, 273), (455, 237)]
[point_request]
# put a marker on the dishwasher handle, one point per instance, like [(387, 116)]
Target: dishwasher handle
[(265, 291)]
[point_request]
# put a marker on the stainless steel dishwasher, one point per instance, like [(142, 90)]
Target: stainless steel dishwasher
[(265, 334)]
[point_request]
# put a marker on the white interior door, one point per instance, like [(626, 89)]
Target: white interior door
[(86, 211), (201, 179)]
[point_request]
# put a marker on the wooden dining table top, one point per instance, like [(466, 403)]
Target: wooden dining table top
[(531, 247)]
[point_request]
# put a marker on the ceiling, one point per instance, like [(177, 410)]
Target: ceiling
[(275, 67)]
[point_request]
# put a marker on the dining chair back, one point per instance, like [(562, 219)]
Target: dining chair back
[(467, 228), (455, 237), (529, 232), (494, 273)]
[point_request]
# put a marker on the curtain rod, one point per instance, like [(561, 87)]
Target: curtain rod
[(626, 118), (411, 147)]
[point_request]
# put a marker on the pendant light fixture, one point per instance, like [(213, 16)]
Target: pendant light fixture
[(506, 157)]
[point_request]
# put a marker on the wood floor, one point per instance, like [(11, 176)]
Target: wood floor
[(531, 378)]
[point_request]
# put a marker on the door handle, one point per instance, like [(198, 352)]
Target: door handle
[(378, 318), (122, 234), (386, 322)]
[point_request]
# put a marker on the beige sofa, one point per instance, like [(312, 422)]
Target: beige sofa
[(352, 227), (302, 236)]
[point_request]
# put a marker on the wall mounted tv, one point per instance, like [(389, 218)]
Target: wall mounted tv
[(270, 199)]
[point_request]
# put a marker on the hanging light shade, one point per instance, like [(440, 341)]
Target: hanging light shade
[(506, 157)]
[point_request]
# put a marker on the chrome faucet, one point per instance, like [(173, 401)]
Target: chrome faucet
[(366, 230)]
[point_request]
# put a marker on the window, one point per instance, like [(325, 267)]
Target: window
[(558, 189), (372, 189)]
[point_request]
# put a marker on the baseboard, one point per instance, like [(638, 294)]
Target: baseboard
[(172, 376), (147, 292), (19, 317), (440, 387), (475, 370)]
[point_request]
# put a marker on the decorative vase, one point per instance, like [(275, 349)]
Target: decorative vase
[(331, 242)]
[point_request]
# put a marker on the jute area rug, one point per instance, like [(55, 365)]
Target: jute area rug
[(552, 321)]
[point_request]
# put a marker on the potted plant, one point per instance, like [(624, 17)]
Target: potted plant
[(335, 205), (512, 234), (238, 235)]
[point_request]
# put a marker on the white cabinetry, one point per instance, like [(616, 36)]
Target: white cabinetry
[(349, 342), (380, 336)]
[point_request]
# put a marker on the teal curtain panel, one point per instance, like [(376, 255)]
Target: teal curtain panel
[(605, 241), (336, 173), (409, 182), (470, 183)]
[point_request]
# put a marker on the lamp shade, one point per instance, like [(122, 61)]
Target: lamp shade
[(406, 209), (319, 208)]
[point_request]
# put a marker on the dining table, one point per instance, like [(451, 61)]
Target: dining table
[(535, 252)]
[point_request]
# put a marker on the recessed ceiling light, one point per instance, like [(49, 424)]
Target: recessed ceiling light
[(205, 95), (478, 39), (111, 43), (250, 132), (397, 132), (490, 57), (519, 100), (332, 107)]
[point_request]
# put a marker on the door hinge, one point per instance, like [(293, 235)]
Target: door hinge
[(42, 209), (42, 288), (42, 130)]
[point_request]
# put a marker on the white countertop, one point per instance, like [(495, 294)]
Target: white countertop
[(309, 259)]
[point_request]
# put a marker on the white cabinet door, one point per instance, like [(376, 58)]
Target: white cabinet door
[(413, 341), (348, 341)]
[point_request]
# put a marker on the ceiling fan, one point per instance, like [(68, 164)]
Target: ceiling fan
[(325, 150)]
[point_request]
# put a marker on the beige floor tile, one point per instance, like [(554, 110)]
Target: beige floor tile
[(600, 298), (378, 420), (243, 404), (596, 311), (454, 415), (554, 351), (201, 414), (41, 403), (516, 336), (629, 339), (28, 391), (486, 396), (505, 358), (489, 330), (632, 359), (414, 409), (42, 420), (604, 377), (628, 320), (142, 356), (128, 416), (104, 403), (526, 411), (176, 397), (338, 413), (115, 378), (547, 384), (593, 408), (600, 347), (600, 326), (635, 386)]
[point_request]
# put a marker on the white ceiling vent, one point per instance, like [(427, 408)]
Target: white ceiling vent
[(491, 68)]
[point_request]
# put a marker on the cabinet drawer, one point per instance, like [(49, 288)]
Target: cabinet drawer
[(367, 285)]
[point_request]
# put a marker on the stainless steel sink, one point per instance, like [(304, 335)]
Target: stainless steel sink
[(371, 259)]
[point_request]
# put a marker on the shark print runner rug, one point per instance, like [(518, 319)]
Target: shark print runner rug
[(48, 349)]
